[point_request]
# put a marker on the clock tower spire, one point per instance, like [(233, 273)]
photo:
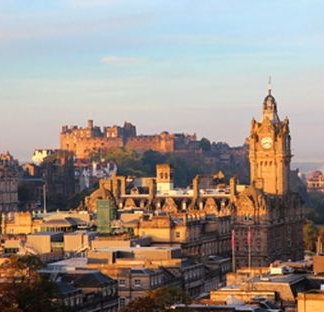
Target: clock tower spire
[(270, 106), (269, 150)]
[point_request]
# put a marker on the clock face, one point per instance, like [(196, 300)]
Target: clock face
[(266, 142)]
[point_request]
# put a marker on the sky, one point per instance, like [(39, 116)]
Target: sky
[(164, 65)]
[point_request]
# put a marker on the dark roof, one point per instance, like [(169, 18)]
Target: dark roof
[(142, 271), (65, 288), (85, 279)]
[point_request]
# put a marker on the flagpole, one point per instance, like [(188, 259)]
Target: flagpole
[(233, 251)]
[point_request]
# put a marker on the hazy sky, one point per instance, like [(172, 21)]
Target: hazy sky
[(196, 66)]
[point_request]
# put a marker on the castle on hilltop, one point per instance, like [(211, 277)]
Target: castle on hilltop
[(259, 222), (84, 141)]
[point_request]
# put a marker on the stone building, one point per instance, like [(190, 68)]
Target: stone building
[(311, 300), (268, 215), (29, 223), (84, 290), (198, 219), (59, 178), (315, 182), (141, 269), (85, 141), (8, 183), (137, 282)]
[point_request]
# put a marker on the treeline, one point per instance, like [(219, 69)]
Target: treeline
[(313, 231), (186, 165), (24, 289)]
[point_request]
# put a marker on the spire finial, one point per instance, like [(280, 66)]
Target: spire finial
[(269, 85)]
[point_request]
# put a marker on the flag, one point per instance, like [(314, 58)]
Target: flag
[(233, 240)]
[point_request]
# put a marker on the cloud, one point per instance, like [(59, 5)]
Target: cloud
[(120, 60)]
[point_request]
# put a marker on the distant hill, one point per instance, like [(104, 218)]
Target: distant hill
[(307, 167)]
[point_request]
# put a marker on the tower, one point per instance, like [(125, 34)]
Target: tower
[(268, 215), (269, 150), (164, 177)]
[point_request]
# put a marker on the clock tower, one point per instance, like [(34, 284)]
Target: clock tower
[(269, 150), (268, 215)]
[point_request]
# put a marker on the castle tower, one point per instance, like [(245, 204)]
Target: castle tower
[(269, 150)]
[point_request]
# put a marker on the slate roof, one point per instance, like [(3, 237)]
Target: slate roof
[(84, 279)]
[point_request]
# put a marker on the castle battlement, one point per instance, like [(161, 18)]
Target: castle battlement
[(83, 141)]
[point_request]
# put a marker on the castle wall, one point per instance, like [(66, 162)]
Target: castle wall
[(83, 141), (144, 143)]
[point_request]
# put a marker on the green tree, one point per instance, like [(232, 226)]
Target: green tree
[(310, 233), (141, 304), (159, 300), (205, 145), (167, 296), (150, 159), (23, 289), (316, 210), (128, 161), (27, 192)]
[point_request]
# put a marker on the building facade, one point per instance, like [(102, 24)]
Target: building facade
[(198, 219), (8, 183), (315, 182), (268, 216)]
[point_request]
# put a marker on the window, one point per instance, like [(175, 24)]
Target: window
[(137, 283), (177, 234), (122, 283), (247, 217), (122, 302)]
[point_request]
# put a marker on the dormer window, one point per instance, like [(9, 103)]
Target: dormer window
[(247, 218)]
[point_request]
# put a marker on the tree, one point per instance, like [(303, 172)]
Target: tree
[(150, 159), (141, 304), (205, 145), (159, 300), (166, 296), (128, 161), (310, 233), (23, 289), (316, 203)]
